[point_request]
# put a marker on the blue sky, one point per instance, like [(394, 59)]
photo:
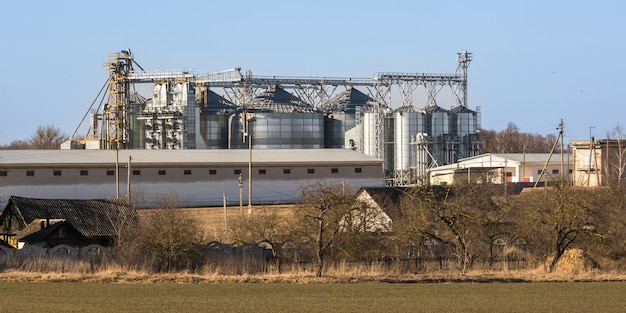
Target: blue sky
[(534, 62)]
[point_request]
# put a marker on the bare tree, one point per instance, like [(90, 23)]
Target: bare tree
[(266, 225), (453, 215), (511, 140), (556, 218), (47, 137), (617, 165), (322, 215), (167, 240)]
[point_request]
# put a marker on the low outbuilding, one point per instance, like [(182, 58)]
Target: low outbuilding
[(49, 222)]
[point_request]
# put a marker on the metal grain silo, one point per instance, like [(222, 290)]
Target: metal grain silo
[(437, 126), (215, 111), (136, 129), (464, 127), (277, 119), (378, 134), (342, 113), (409, 121)]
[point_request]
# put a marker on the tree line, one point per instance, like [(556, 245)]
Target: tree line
[(46, 137), (468, 226), (511, 140)]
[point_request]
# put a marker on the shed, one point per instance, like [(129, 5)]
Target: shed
[(63, 221)]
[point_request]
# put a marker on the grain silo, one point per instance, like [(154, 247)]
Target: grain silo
[(378, 134), (437, 126), (136, 127), (277, 119), (342, 113), (215, 111), (464, 126), (409, 121)]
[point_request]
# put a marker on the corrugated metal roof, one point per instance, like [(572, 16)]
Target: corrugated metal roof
[(216, 104), (349, 99), (135, 97), (92, 218), (409, 109), (461, 109), (497, 158), (276, 99), (77, 158), (435, 108), (530, 157)]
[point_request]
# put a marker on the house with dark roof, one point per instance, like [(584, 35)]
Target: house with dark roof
[(77, 223)]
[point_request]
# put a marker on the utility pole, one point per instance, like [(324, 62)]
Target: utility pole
[(240, 195), (225, 212), (128, 195), (545, 166), (591, 156), (249, 133), (117, 171), (561, 136)]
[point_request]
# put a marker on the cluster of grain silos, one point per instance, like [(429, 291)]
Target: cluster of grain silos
[(409, 139), (259, 112)]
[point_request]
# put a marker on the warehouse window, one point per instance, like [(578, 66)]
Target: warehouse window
[(110, 173), (569, 171), (509, 174), (56, 173), (212, 172), (539, 172), (334, 170), (136, 172), (187, 172), (555, 172), (30, 173), (237, 172), (357, 170), (286, 171), (310, 171), (162, 172), (3, 173), (84, 172), (261, 172)]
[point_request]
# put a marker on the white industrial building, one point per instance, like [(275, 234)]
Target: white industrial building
[(194, 177), (503, 167)]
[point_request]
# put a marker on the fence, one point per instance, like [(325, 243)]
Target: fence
[(89, 253)]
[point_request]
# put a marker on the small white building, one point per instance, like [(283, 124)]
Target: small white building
[(503, 167)]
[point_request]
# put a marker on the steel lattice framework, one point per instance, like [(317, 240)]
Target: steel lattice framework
[(242, 88)]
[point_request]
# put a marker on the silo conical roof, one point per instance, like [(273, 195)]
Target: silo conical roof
[(409, 109), (435, 108), (347, 100), (215, 103), (277, 100), (136, 98), (461, 109)]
